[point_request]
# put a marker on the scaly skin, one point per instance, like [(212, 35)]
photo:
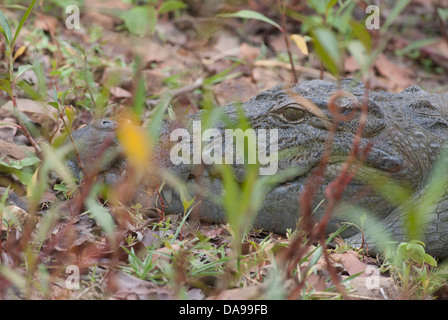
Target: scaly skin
[(404, 131)]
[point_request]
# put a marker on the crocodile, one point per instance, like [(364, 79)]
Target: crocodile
[(401, 140)]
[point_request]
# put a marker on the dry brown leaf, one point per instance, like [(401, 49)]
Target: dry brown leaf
[(248, 52), (195, 294), (339, 241), (48, 197), (7, 132), (151, 238), (237, 89), (163, 253), (246, 293), (373, 287), (300, 43), (429, 4), (278, 43), (400, 76), (351, 262), (154, 79), (90, 255), (127, 287), (316, 281), (118, 92), (212, 233), (14, 215), (19, 52), (37, 111), (14, 152), (46, 23), (350, 64), (95, 18), (118, 76), (122, 281), (153, 52)]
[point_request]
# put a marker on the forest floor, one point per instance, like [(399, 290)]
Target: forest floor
[(202, 59)]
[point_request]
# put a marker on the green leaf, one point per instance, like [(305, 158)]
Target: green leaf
[(326, 45), (316, 256), (360, 32), (22, 21), (16, 278), (55, 94), (61, 187), (54, 105), (138, 19), (187, 204), (30, 161), (5, 197), (328, 41), (331, 4), (223, 75), (172, 5), (363, 219), (232, 194), (416, 252), (186, 215), (359, 52), (249, 14), (70, 113), (139, 97), (101, 215), (41, 79), (443, 13), (5, 84), (414, 45), (318, 5), (5, 29), (413, 250), (321, 6), (23, 69), (152, 19), (64, 94), (397, 8), (430, 260), (157, 116)]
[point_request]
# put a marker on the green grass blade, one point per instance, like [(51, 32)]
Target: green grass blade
[(5, 29), (101, 215), (398, 7), (22, 21), (249, 14), (157, 116)]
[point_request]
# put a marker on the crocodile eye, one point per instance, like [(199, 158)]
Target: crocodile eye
[(293, 114)]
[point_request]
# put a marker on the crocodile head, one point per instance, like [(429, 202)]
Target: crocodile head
[(404, 132)]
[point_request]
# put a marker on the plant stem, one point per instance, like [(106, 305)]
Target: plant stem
[(81, 165), (17, 112)]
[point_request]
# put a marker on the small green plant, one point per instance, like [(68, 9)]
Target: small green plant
[(8, 84), (145, 269), (415, 270), (413, 252), (241, 201), (335, 33), (142, 18), (23, 169)]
